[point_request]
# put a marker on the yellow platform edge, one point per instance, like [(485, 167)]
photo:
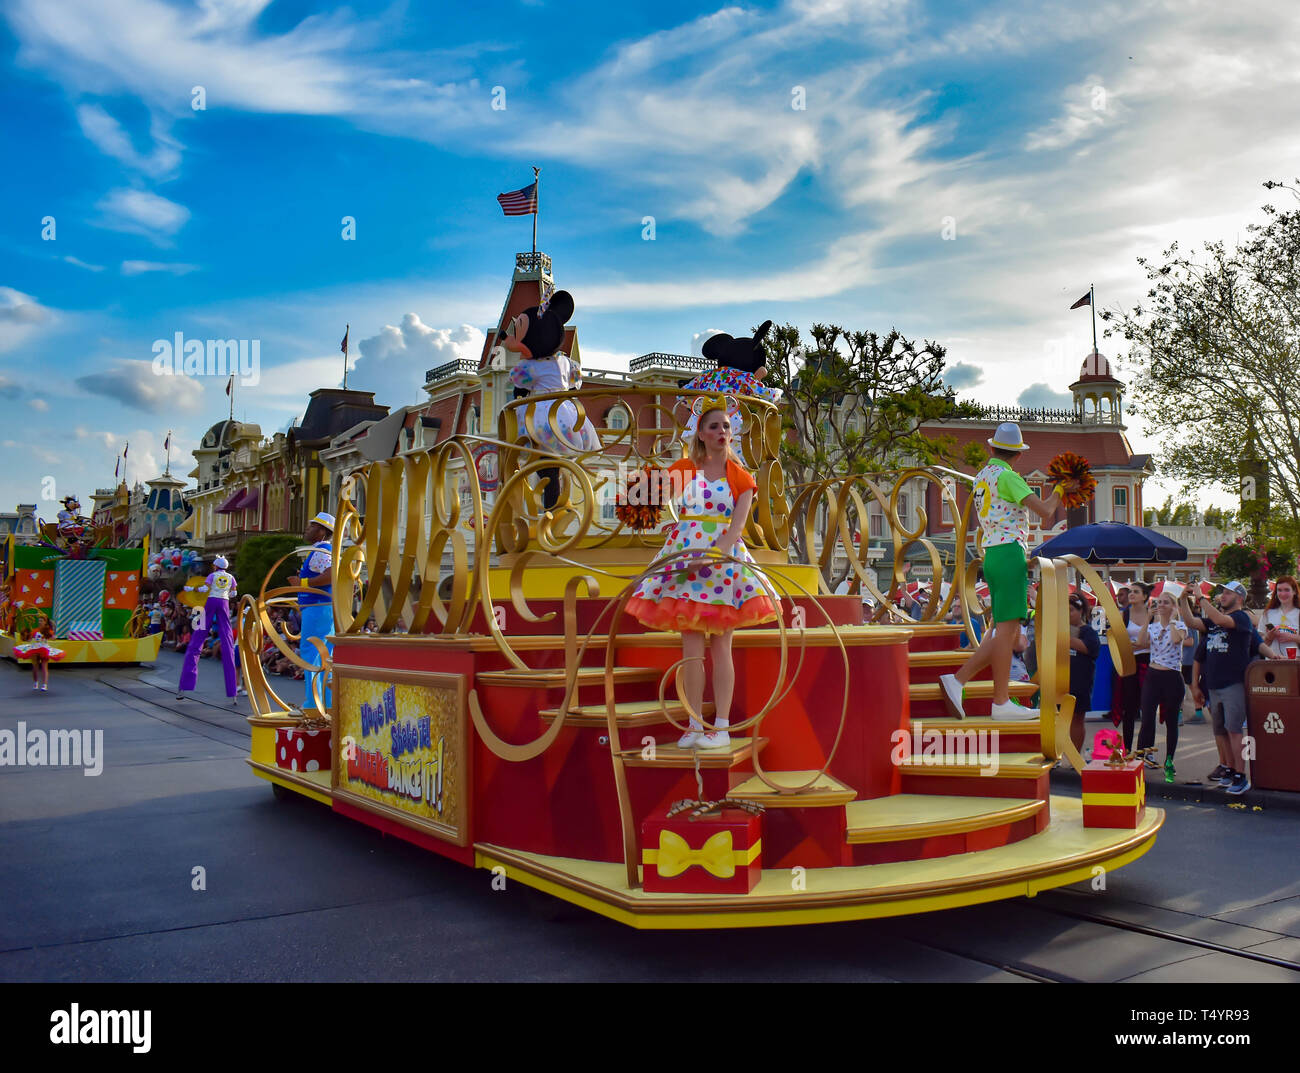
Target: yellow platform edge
[(870, 904), (110, 650)]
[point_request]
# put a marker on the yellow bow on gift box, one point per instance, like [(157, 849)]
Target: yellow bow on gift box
[(715, 856)]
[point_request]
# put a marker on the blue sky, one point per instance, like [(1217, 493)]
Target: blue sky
[(1061, 140)]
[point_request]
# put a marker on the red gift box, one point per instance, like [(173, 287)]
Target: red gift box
[(1114, 796), (716, 854), (302, 750)]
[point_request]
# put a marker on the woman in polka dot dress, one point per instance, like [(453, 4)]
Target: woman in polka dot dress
[(706, 599)]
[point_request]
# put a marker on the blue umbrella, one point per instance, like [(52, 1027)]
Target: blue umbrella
[(1113, 542)]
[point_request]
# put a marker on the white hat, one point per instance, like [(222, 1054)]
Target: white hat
[(220, 562), (1008, 438), (327, 520)]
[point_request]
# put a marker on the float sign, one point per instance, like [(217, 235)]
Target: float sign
[(402, 746)]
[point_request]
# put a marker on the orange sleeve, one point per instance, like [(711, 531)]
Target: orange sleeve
[(684, 466), (740, 479)]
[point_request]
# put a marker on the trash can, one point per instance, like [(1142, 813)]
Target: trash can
[(1273, 716)]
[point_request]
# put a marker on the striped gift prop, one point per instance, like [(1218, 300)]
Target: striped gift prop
[(78, 594), (85, 631)]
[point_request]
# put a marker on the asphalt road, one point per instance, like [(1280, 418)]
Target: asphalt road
[(98, 872)]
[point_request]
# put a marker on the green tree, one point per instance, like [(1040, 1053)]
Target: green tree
[(1214, 354), (855, 402), (256, 557)]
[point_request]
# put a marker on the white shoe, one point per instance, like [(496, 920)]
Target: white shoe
[(692, 737), (36, 686), (1013, 711), (952, 690), (44, 688), (719, 739)]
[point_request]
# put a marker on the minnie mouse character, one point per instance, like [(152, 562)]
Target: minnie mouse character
[(536, 335), (742, 365)]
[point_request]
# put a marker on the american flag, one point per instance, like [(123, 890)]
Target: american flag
[(519, 202), (344, 345)]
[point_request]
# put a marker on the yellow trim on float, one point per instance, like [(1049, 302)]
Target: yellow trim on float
[(1065, 853), (762, 918), (289, 782)]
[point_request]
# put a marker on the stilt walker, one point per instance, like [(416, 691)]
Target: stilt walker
[(214, 618), (316, 609)]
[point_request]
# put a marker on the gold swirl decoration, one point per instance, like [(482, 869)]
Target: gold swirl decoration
[(831, 506)]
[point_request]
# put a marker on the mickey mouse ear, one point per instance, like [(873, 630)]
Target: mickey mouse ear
[(561, 305), (715, 346)]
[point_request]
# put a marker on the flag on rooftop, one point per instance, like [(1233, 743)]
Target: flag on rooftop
[(519, 202)]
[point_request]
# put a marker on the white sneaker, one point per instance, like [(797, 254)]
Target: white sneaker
[(719, 739), (44, 688), (952, 695), (36, 686), (1013, 711), (692, 737)]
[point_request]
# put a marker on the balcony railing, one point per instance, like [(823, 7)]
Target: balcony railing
[(450, 369), (533, 262), (676, 362)]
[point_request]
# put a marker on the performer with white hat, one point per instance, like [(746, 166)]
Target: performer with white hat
[(315, 608), (213, 617), (1003, 501)]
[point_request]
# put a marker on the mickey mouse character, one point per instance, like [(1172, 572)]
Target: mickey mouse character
[(742, 365), (536, 335)]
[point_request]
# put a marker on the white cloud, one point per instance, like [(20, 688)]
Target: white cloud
[(111, 139), (136, 268), (392, 364), (135, 384), (82, 264), (39, 405), (141, 212), (21, 315)]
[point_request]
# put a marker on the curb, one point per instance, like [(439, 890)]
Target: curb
[(1200, 794)]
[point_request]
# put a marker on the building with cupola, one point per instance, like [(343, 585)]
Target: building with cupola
[(1093, 427)]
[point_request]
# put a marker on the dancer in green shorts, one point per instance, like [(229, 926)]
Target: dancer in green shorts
[(1003, 501)]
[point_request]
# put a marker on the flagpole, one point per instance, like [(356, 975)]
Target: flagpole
[(537, 204), (168, 471), (1092, 302), (346, 330), (231, 385)]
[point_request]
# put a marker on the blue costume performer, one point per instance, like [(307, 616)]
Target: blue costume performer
[(213, 617), (316, 609)]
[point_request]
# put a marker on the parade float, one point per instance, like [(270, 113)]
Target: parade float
[(88, 592), (515, 718)]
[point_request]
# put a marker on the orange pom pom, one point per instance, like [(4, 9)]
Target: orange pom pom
[(1069, 467), (637, 505)]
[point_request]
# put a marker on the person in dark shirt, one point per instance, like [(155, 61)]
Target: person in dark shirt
[(1219, 669), (1084, 647)]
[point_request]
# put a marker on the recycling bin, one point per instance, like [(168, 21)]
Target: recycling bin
[(1273, 717)]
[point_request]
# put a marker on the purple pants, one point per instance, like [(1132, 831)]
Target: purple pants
[(215, 618)]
